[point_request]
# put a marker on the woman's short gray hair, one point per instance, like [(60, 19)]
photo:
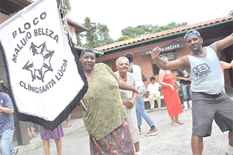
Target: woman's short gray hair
[(121, 58)]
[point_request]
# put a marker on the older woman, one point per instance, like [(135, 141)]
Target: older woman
[(129, 98), (103, 112), (172, 100)]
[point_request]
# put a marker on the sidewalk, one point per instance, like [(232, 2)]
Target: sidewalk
[(36, 142)]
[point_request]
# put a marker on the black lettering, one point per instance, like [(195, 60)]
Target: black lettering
[(57, 78), (21, 83), (43, 15), (27, 26), (53, 82), (35, 33), (47, 31), (21, 31), (60, 73), (39, 31), (19, 47), (51, 34), (23, 42), (35, 21), (36, 90), (56, 38), (29, 35), (14, 34), (14, 58)]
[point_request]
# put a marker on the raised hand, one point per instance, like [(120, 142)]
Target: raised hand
[(155, 52)]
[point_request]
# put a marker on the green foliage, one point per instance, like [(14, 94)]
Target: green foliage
[(78, 38), (97, 35), (91, 37), (170, 26), (103, 35), (123, 38), (142, 30)]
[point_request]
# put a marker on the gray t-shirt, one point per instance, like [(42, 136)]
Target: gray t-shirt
[(206, 73), (6, 120)]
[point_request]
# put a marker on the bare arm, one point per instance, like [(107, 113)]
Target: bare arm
[(225, 65), (135, 95), (182, 62), (144, 78), (6, 110), (125, 86), (181, 78), (161, 78), (218, 46)]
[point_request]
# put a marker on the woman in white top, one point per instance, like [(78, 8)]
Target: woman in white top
[(140, 107)]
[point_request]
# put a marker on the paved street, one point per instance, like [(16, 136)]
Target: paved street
[(171, 140)]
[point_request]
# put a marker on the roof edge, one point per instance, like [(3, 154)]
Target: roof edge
[(82, 48), (164, 36)]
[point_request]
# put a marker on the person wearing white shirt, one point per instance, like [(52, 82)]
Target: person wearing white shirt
[(154, 93)]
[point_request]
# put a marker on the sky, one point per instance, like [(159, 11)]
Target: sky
[(120, 14)]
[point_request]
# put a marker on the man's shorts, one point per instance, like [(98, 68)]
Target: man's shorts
[(208, 107)]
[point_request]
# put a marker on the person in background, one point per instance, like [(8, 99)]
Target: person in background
[(154, 93), (140, 107), (6, 125), (185, 81), (104, 115), (56, 134), (129, 98), (225, 65), (209, 101), (68, 124), (171, 97), (31, 132)]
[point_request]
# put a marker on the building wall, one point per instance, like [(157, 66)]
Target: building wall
[(145, 63), (72, 34)]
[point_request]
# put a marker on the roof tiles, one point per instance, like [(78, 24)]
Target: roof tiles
[(163, 33)]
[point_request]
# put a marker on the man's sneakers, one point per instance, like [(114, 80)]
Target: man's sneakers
[(151, 133)]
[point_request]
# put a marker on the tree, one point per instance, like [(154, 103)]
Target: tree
[(142, 30), (97, 35), (123, 38), (90, 35), (170, 26), (78, 38), (103, 35)]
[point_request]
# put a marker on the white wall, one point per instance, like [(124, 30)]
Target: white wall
[(72, 34)]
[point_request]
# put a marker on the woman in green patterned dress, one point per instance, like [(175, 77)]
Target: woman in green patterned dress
[(103, 112)]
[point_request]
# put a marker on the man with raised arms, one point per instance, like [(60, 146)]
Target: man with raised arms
[(209, 101)]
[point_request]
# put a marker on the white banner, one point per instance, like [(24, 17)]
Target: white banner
[(45, 78)]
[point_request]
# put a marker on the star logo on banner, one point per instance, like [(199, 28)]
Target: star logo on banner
[(40, 62)]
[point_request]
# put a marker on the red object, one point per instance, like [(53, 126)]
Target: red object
[(172, 99)]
